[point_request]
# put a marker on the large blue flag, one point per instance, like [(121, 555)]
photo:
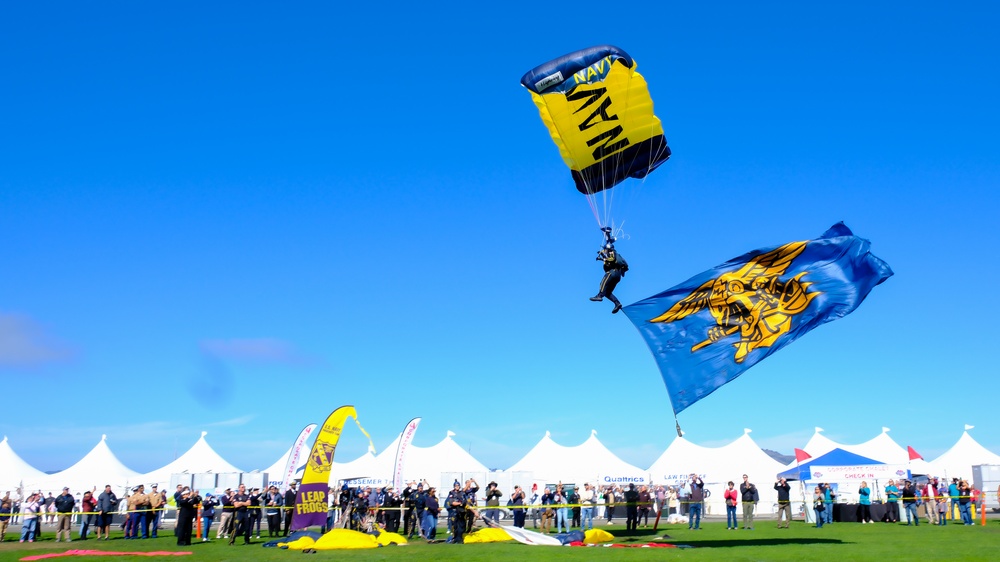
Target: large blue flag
[(708, 330)]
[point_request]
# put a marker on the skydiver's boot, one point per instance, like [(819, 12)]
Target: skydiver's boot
[(597, 298), (618, 304)]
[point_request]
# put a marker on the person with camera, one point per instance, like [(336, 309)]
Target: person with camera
[(732, 500), (615, 267), (829, 497), (750, 497), (517, 499), (695, 502), (784, 503), (187, 510), (493, 496)]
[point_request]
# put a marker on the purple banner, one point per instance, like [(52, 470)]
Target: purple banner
[(310, 506)]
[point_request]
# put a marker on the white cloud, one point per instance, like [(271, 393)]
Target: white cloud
[(266, 350), (24, 343)]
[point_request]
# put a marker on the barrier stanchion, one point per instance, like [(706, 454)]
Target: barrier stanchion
[(982, 513), (199, 522)]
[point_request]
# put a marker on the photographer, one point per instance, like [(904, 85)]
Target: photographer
[(784, 503), (694, 507), (493, 496)]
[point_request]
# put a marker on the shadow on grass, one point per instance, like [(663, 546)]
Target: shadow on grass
[(647, 535)]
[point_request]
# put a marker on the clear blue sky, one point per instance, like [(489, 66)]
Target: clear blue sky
[(237, 217)]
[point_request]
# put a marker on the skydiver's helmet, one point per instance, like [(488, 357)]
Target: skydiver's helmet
[(610, 245)]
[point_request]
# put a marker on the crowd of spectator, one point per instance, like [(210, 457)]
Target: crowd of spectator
[(416, 510)]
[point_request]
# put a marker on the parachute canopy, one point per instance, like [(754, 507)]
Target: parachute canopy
[(599, 112)]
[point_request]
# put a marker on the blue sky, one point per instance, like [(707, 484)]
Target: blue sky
[(237, 217)]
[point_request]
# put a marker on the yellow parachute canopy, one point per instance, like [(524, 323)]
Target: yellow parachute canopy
[(599, 113)]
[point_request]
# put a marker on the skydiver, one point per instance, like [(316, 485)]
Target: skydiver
[(615, 267)]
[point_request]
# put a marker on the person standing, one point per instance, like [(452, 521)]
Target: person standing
[(930, 502), (645, 504), (30, 513), (587, 501), (493, 495), (226, 520), (107, 502), (430, 518), (750, 497), (155, 500), (272, 502), (559, 498), (548, 514), (187, 510), (289, 505), (732, 498), (829, 497), (64, 507), (784, 503), (574, 500), (892, 502), (457, 502), (207, 515), (137, 506), (953, 496), (909, 496), (609, 504), (241, 505), (965, 502), (6, 509), (470, 491), (517, 500), (695, 502), (255, 512), (819, 506), (865, 503)]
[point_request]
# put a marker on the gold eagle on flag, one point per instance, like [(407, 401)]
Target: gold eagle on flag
[(752, 300)]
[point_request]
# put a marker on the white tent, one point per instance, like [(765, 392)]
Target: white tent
[(590, 461), (957, 462), (718, 465), (881, 448), (98, 467), (425, 463), (14, 471), (201, 457)]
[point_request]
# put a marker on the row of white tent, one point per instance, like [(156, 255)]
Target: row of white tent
[(547, 462)]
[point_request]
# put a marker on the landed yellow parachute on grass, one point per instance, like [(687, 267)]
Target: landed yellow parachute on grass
[(599, 113), (489, 534), (345, 539), (597, 536)]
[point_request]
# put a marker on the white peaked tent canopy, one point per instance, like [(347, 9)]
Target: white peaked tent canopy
[(881, 448), (957, 462), (819, 445), (98, 467), (427, 463), (717, 466), (589, 462), (14, 470), (201, 457), (363, 467)]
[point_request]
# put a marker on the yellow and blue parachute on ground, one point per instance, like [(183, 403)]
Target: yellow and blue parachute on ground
[(599, 113)]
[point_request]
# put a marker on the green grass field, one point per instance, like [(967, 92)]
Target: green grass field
[(840, 542)]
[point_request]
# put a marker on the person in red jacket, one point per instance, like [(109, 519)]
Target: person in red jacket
[(732, 498)]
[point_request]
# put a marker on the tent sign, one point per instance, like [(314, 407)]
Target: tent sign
[(859, 472)]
